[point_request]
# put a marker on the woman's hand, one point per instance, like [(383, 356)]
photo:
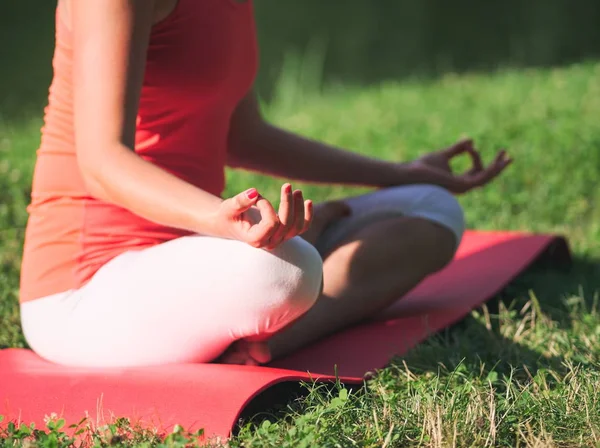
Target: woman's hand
[(435, 168), (251, 218)]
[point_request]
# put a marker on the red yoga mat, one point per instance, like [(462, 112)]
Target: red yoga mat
[(212, 397)]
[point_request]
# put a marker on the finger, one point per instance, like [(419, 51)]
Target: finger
[(458, 148), (500, 162), (503, 162), (501, 156), (242, 202), (466, 146), (308, 215), (298, 214), (286, 216), (260, 234), (493, 170), (475, 159)]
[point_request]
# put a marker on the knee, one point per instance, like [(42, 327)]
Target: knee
[(291, 275), (300, 269), (446, 215), (440, 206)]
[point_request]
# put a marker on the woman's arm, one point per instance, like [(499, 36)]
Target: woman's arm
[(256, 145), (110, 44)]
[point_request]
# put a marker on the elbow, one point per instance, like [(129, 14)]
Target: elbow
[(93, 182), (236, 152), (243, 143), (234, 161), (93, 173)]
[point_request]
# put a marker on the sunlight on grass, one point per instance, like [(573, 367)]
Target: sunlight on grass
[(525, 376)]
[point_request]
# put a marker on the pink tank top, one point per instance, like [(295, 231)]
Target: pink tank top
[(202, 60)]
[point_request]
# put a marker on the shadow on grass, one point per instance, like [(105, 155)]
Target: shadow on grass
[(557, 289), (474, 349), (560, 290)]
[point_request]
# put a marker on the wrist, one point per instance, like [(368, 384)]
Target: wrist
[(398, 174), (206, 218)]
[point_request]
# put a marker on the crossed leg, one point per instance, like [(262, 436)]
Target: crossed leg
[(393, 240)]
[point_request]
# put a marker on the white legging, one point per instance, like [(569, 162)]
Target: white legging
[(188, 299)]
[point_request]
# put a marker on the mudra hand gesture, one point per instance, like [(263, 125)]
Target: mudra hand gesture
[(435, 168)]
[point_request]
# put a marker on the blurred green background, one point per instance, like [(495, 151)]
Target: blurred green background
[(350, 42)]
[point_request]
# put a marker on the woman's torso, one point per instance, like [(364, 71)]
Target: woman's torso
[(202, 60)]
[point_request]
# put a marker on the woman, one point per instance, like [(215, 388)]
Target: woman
[(131, 255)]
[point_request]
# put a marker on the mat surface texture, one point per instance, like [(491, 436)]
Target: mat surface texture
[(212, 397)]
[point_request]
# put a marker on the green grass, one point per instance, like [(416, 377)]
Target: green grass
[(526, 376)]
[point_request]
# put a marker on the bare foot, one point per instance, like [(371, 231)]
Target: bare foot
[(246, 353)]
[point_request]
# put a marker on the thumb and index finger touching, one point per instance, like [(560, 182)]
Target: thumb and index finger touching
[(243, 201), (270, 223), (479, 174), (466, 146)]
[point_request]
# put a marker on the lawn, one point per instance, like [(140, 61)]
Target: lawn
[(527, 376)]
